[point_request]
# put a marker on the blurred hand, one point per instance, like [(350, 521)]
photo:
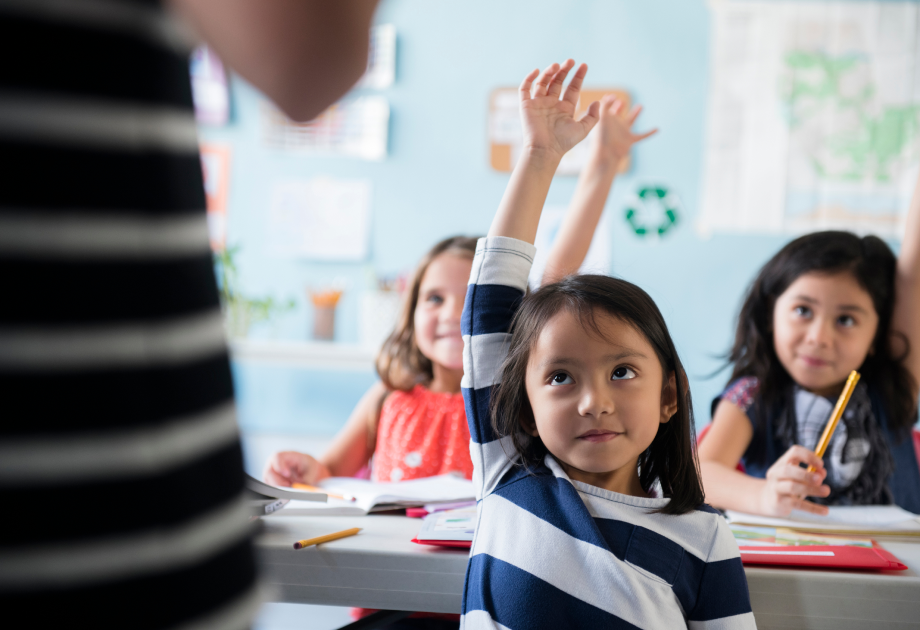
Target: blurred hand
[(290, 467), (614, 136), (788, 484)]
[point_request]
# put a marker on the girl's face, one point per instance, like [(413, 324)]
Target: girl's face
[(437, 313), (823, 327), (597, 402)]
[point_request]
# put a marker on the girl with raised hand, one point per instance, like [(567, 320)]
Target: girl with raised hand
[(412, 422), (591, 512), (826, 304)]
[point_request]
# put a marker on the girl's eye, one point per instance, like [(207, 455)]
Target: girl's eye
[(846, 321), (622, 374), (435, 299), (560, 379), (802, 311)]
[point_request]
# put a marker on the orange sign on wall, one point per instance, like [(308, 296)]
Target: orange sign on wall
[(215, 165)]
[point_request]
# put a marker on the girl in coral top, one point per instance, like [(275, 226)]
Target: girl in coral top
[(412, 422)]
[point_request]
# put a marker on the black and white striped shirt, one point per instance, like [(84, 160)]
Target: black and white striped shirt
[(120, 464)]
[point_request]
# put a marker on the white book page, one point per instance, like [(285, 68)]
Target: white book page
[(863, 517), (367, 494)]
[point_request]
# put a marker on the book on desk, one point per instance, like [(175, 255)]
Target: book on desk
[(264, 499), (823, 543), (366, 497)]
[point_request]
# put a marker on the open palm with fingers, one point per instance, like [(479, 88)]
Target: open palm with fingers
[(548, 120), (614, 131)]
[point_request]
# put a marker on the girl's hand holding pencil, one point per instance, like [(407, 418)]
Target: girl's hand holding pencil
[(836, 415), (788, 483)]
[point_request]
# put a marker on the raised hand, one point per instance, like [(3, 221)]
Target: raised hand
[(614, 137), (549, 122)]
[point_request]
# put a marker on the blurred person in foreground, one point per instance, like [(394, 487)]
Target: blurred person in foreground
[(120, 464)]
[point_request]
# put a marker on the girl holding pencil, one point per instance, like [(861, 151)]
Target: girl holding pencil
[(825, 305)]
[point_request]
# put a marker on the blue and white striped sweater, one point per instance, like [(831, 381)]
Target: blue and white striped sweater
[(550, 552)]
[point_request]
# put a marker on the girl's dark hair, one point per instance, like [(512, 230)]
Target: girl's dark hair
[(671, 458), (400, 364), (872, 264)]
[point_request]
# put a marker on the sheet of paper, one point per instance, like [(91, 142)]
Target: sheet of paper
[(597, 260), (869, 518), (381, 58), (450, 525), (356, 127), (813, 117), (209, 87), (749, 536), (266, 490), (321, 218), (443, 488)]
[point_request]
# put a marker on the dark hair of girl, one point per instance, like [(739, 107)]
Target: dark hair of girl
[(671, 458), (872, 264), (400, 364)]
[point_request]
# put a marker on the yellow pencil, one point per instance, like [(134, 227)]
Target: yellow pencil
[(836, 415), (303, 486), (300, 544)]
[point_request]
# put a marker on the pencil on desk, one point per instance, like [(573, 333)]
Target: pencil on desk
[(300, 544), (836, 415), (303, 486)]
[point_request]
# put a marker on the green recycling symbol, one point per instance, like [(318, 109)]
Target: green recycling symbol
[(651, 203)]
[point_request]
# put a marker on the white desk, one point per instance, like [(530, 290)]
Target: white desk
[(381, 568)]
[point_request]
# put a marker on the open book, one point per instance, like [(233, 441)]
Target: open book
[(265, 499), (867, 520), (368, 496)]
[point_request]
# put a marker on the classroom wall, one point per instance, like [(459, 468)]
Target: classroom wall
[(436, 180)]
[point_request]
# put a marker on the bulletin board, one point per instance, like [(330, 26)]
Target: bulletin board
[(505, 137)]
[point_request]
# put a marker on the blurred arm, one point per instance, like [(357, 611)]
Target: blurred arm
[(303, 54)]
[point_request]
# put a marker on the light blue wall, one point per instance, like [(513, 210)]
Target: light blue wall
[(437, 181)]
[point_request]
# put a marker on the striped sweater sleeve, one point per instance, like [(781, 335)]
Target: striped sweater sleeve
[(722, 600), (497, 283)]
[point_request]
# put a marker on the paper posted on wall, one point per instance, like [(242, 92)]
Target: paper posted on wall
[(814, 117), (597, 260), (355, 127), (320, 218), (381, 62), (506, 139)]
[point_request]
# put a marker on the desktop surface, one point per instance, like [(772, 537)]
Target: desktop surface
[(382, 568)]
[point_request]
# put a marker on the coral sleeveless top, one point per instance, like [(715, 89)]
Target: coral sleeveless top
[(422, 434)]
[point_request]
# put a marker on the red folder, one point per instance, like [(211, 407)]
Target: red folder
[(463, 544), (817, 556)]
